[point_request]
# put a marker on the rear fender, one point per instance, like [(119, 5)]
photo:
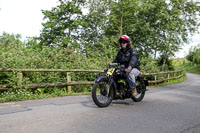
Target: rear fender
[(141, 79)]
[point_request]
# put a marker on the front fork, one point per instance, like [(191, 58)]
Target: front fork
[(112, 84)]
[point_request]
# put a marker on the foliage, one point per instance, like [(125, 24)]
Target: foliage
[(186, 65), (30, 57), (194, 60), (63, 24), (154, 26), (15, 54), (149, 65), (165, 63), (194, 54), (48, 58)]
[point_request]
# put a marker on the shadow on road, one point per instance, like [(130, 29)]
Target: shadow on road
[(89, 103)]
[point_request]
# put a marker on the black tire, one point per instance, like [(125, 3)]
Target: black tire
[(141, 89), (102, 90), (139, 97)]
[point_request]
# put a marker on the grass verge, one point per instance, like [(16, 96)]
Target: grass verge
[(21, 95), (184, 64)]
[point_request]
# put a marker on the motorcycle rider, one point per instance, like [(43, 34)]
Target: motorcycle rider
[(127, 56)]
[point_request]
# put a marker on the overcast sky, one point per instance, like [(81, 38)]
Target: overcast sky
[(25, 17)]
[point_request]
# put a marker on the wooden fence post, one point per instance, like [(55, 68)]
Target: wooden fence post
[(168, 75), (69, 88), (20, 77), (155, 79)]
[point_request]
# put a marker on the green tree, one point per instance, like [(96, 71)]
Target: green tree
[(10, 41), (63, 24), (93, 33), (194, 54), (158, 26), (196, 58)]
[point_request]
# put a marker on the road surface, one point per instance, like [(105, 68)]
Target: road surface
[(169, 109)]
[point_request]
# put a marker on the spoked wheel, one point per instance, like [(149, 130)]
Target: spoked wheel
[(141, 88), (102, 94)]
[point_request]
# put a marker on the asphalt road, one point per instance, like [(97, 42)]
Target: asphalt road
[(169, 109)]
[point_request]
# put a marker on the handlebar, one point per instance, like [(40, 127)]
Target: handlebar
[(116, 65)]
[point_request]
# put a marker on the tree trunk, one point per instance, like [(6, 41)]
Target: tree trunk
[(155, 54), (121, 25), (164, 61)]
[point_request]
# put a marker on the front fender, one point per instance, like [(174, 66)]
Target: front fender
[(101, 79)]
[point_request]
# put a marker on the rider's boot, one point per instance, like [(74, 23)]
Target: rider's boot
[(134, 92)]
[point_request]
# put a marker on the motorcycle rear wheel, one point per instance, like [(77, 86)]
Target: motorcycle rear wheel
[(102, 94), (141, 92), (139, 97)]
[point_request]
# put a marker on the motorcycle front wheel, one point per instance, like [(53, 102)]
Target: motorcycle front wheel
[(102, 94)]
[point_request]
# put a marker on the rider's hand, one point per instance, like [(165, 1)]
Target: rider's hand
[(128, 69)]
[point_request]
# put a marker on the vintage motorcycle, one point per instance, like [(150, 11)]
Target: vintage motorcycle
[(112, 85)]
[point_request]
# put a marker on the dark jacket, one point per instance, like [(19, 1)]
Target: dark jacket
[(128, 58)]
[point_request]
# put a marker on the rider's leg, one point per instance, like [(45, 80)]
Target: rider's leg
[(131, 80)]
